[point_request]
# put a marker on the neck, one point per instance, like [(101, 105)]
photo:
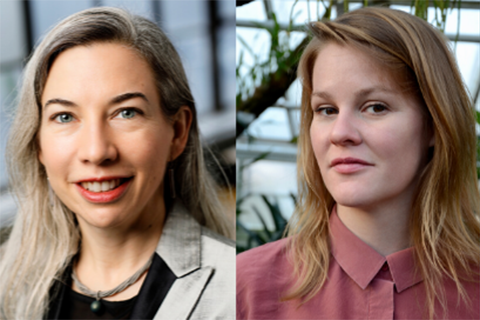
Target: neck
[(385, 228), (108, 256)]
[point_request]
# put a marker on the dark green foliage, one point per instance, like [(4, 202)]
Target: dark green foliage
[(247, 239)]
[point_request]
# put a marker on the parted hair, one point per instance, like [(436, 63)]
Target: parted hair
[(45, 235), (445, 228)]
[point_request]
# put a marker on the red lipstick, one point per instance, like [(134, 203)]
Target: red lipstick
[(104, 196)]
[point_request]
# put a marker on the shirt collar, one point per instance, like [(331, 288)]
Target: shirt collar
[(362, 263)]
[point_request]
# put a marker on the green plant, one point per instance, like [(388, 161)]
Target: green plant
[(247, 239), (261, 84)]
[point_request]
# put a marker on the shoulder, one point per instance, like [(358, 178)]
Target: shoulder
[(470, 281), (260, 259), (217, 250), (217, 300), (213, 238), (264, 275)]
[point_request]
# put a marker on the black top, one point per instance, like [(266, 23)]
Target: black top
[(77, 306), (68, 304)]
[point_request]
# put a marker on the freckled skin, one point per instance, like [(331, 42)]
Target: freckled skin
[(99, 141), (391, 137)]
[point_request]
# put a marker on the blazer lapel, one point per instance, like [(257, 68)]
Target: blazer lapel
[(183, 295), (180, 248)]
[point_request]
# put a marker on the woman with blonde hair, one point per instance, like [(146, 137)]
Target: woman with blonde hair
[(117, 216), (387, 225)]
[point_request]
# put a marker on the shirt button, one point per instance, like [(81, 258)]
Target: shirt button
[(385, 267)]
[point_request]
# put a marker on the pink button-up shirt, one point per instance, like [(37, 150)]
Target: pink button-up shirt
[(361, 284)]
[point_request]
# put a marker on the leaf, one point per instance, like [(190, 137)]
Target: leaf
[(290, 20), (264, 224), (294, 198), (258, 158), (278, 219), (252, 235)]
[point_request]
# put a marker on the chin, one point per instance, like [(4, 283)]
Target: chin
[(102, 218), (351, 202), (354, 197)]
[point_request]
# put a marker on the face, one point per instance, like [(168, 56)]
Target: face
[(368, 136), (103, 139)]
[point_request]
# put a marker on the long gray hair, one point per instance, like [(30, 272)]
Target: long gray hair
[(45, 236)]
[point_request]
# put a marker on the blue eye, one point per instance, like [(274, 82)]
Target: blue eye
[(64, 118), (128, 113)]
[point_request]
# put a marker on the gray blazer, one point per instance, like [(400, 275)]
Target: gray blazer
[(204, 264), (204, 267)]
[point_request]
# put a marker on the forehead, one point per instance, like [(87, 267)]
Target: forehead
[(98, 69), (345, 65)]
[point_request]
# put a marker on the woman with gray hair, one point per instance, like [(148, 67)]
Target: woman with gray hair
[(118, 217)]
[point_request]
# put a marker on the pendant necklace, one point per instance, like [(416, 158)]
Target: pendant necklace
[(96, 306)]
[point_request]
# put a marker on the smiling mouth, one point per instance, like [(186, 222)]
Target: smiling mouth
[(103, 186)]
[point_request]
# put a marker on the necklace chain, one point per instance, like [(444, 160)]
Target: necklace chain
[(122, 286)]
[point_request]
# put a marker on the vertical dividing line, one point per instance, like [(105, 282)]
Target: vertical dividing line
[(213, 27)]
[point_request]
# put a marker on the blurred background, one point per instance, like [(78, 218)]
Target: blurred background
[(203, 32), (270, 37)]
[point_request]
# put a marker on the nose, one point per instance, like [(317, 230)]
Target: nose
[(96, 144), (345, 130)]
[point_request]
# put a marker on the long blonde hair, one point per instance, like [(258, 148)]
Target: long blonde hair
[(445, 214), (45, 236)]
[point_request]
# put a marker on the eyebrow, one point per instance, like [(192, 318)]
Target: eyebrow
[(128, 96), (63, 102), (359, 94), (116, 100)]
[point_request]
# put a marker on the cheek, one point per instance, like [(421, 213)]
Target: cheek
[(150, 152), (319, 142), (55, 154), (400, 146)]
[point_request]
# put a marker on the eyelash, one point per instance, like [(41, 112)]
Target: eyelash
[(319, 110), (136, 110), (56, 115), (376, 105)]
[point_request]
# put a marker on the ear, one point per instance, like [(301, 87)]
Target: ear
[(40, 155), (181, 127)]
